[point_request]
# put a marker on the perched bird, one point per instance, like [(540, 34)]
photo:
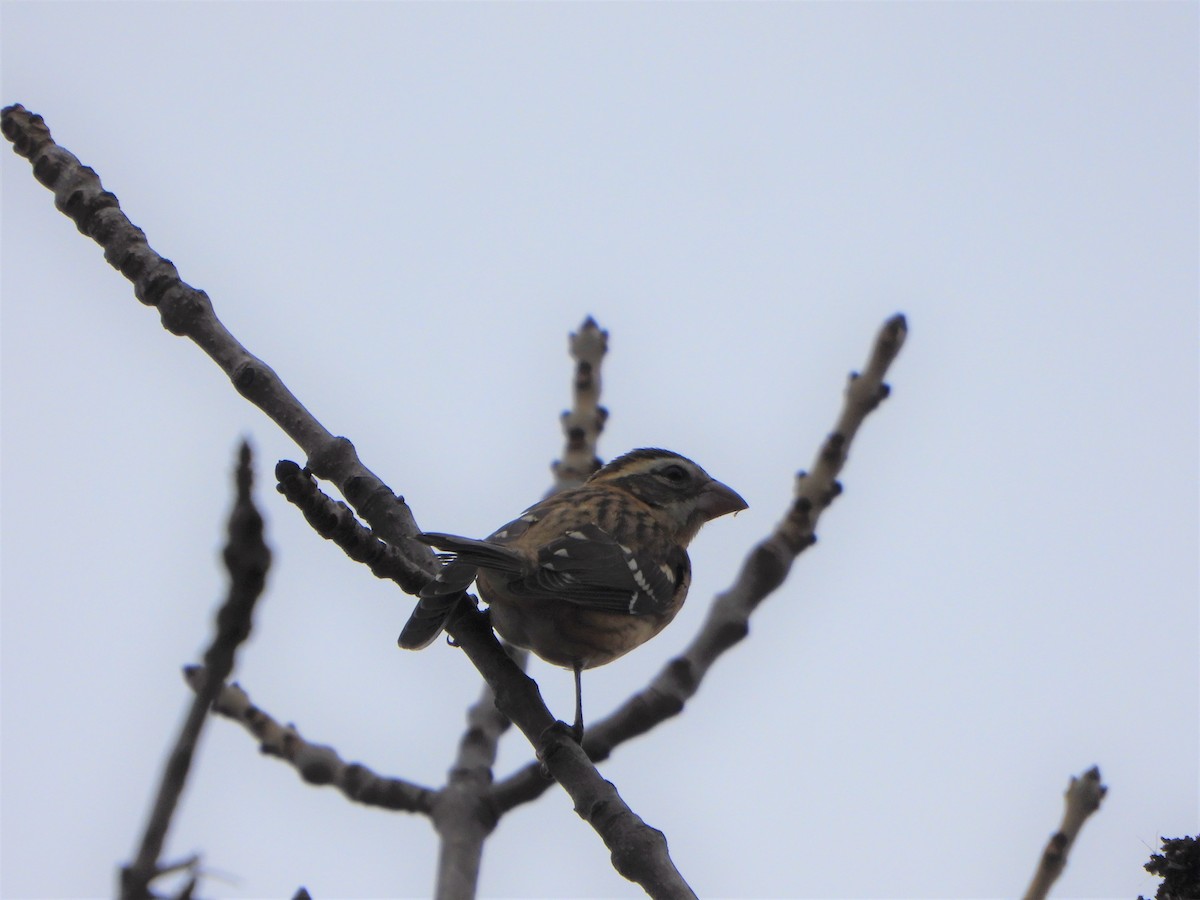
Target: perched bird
[(589, 573)]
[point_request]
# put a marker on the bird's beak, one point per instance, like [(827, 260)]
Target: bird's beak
[(718, 499)]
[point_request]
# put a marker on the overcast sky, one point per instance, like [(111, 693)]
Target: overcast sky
[(405, 208)]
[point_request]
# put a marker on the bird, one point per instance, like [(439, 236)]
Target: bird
[(587, 574)]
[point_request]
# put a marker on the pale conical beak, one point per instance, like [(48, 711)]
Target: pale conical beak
[(718, 499)]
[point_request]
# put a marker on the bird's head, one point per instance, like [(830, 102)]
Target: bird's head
[(681, 493)]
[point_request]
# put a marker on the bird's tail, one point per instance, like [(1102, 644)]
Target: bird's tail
[(428, 619), (440, 597), (468, 551)]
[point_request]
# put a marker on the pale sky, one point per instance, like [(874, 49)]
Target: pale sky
[(405, 208)]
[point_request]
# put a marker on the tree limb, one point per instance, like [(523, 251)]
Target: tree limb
[(247, 558), (585, 420), (186, 311), (317, 764), (463, 813), (638, 851), (1082, 798)]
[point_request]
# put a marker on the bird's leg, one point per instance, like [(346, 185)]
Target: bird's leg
[(577, 728)]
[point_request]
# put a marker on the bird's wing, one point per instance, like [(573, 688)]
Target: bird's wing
[(589, 567), (586, 566)]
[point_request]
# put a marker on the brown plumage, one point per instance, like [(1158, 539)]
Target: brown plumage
[(587, 574)]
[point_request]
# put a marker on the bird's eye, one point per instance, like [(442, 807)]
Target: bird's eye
[(675, 474)]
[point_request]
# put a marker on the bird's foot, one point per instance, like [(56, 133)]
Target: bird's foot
[(574, 732)]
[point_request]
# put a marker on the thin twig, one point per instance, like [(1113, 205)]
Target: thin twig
[(317, 764), (187, 311), (585, 420), (247, 558), (1081, 799), (335, 521)]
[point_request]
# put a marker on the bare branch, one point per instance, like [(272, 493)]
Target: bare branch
[(764, 570), (186, 311), (638, 851), (865, 391), (316, 763), (583, 423), (463, 813), (247, 558), (1082, 798), (336, 522)]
